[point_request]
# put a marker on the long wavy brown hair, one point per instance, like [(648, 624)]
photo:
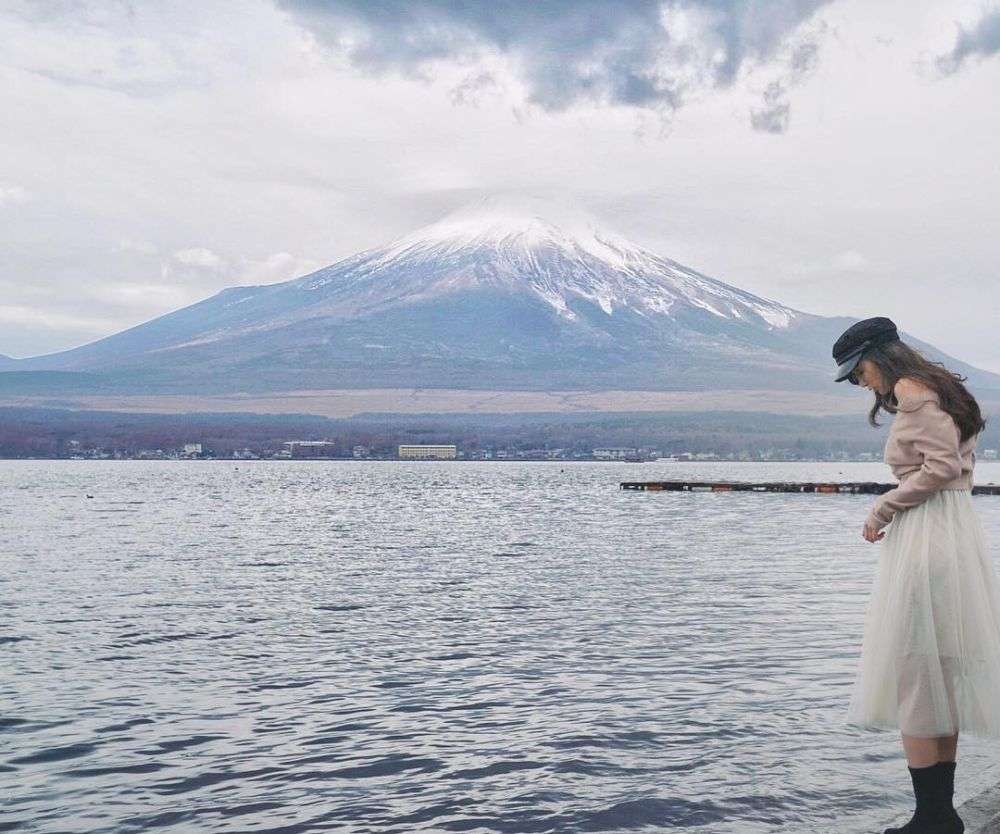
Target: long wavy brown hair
[(897, 359)]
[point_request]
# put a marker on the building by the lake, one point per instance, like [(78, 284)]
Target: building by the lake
[(310, 448), (616, 453), (417, 451)]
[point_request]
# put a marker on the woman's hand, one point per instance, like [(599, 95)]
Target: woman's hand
[(871, 534)]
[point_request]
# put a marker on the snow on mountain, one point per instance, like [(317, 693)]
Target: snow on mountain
[(551, 249)]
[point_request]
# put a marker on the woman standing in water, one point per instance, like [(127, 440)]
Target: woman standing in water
[(930, 661)]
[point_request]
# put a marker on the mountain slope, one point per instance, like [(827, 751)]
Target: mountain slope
[(502, 293)]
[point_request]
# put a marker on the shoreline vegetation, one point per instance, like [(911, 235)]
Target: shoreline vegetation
[(55, 433)]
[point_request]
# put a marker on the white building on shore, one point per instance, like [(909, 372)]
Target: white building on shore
[(416, 451), (310, 448), (615, 453)]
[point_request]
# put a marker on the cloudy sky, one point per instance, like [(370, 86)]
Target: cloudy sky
[(838, 156)]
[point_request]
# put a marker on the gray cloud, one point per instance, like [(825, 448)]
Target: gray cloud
[(804, 59), (774, 116), (473, 88), (981, 40), (650, 54)]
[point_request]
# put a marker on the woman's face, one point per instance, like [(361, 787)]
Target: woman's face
[(868, 375)]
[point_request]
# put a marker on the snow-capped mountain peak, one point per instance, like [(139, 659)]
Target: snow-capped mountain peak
[(519, 221), (545, 247)]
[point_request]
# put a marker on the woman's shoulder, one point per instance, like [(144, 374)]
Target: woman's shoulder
[(912, 393)]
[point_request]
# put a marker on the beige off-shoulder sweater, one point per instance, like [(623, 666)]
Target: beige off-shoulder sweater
[(926, 454)]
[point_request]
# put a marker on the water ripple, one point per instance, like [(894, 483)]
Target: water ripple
[(393, 648)]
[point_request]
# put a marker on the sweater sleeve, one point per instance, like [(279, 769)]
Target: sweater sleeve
[(934, 434)]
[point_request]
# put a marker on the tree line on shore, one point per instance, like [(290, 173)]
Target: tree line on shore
[(59, 433)]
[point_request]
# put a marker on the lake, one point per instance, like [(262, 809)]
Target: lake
[(382, 646)]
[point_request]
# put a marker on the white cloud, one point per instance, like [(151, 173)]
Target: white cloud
[(16, 314), (143, 297), (851, 261), (280, 266), (200, 257), (140, 49), (139, 247), (830, 266), (11, 194)]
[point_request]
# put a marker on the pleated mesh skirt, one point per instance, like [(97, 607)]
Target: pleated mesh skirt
[(930, 659)]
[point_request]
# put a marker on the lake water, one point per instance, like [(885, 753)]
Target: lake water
[(438, 646)]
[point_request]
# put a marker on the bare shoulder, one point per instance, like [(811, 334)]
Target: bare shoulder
[(907, 387)]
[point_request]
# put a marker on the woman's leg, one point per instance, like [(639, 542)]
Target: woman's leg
[(920, 752), (947, 748)]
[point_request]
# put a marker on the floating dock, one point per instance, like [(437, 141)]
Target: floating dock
[(852, 488)]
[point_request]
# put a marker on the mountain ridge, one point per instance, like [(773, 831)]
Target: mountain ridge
[(505, 292)]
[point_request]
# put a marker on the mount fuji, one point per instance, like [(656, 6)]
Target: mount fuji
[(505, 293)]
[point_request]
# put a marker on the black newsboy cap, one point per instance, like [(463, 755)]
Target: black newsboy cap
[(854, 342)]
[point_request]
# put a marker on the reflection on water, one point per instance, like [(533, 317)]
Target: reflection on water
[(423, 646)]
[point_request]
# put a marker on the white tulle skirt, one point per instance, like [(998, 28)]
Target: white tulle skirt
[(930, 661)]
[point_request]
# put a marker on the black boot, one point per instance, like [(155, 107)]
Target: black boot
[(948, 795), (922, 778), (933, 788)]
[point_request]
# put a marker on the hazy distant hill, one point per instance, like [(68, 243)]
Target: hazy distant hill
[(499, 295)]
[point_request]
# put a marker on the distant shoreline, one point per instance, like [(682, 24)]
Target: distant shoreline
[(643, 436), (446, 460)]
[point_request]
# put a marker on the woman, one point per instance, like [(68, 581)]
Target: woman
[(930, 661)]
